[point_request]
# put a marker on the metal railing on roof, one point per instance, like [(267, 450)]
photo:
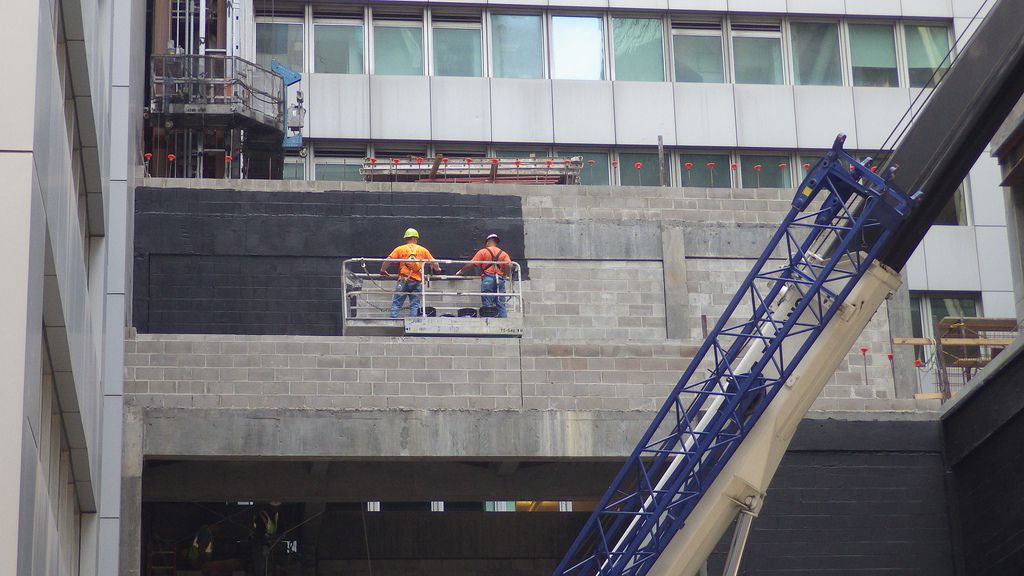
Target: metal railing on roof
[(470, 170)]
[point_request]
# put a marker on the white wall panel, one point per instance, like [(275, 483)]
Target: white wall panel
[(580, 3), (765, 116), (705, 115), (994, 258), (719, 5), (460, 108), (521, 110), (643, 111), (400, 107), (987, 197), (339, 106), (917, 270), (873, 7), (757, 5), (878, 110), (927, 8), (998, 304), (952, 258), (635, 4), (822, 112), (967, 8), (831, 7), (583, 111)]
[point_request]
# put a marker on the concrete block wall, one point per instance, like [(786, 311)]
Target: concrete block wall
[(613, 300), (599, 274), (375, 373), (208, 371)]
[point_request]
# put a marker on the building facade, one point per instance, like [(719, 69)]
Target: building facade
[(246, 398), (68, 144)]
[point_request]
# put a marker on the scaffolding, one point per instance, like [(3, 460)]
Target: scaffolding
[(449, 304)]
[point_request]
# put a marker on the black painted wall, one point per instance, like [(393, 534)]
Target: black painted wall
[(242, 262), (984, 439), (854, 498)]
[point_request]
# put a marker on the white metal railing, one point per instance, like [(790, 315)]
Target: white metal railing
[(367, 294)]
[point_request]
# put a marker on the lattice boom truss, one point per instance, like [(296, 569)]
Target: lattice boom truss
[(843, 214)]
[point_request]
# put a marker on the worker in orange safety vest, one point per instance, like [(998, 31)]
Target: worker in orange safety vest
[(410, 275)]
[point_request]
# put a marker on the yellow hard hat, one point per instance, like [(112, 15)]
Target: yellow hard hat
[(411, 233)]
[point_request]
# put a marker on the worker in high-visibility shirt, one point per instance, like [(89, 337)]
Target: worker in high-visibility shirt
[(410, 275), (492, 274)]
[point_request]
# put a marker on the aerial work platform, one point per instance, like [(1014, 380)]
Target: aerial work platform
[(450, 305)]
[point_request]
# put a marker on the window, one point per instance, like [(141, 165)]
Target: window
[(517, 43), (521, 154), (765, 171), (577, 48), (398, 48), (338, 47), (639, 49), (928, 309), (873, 52), (927, 51), (697, 49), (281, 41), (757, 53), (705, 170), (457, 49), (955, 211), (816, 54), (294, 169), (595, 166), (338, 165), (639, 169)]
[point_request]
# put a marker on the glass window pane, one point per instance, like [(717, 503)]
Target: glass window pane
[(816, 54), (337, 172), (757, 60), (639, 51), (577, 48), (698, 58), (518, 44), (955, 211), (398, 50), (457, 51), (595, 166), (521, 154), (705, 170), (873, 52), (765, 171), (281, 41), (338, 49), (646, 175), (294, 171), (927, 50)]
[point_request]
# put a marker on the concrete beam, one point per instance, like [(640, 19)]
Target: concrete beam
[(181, 433), (360, 481)]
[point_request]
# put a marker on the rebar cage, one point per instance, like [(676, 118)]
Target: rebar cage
[(842, 215)]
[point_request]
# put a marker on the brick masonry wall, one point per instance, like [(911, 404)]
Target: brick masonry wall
[(210, 371), (595, 300), (711, 283)]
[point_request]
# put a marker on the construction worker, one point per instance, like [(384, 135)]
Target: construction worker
[(492, 275), (409, 273)]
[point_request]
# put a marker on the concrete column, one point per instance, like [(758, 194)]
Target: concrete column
[(130, 558), (677, 307), (900, 325)]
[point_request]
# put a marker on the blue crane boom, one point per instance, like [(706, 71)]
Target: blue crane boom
[(716, 442), (840, 204)]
